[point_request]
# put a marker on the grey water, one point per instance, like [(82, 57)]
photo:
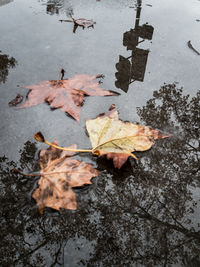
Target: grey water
[(148, 212)]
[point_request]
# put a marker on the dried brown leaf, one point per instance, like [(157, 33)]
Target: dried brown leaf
[(67, 95), (59, 174)]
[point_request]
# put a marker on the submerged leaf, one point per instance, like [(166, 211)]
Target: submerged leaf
[(59, 173), (67, 95), (117, 139)]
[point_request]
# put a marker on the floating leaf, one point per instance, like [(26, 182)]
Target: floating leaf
[(67, 95), (59, 174), (117, 139)]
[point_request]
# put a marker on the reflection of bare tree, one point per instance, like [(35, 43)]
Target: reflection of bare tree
[(144, 214), (5, 64), (150, 216), (56, 6), (5, 2), (53, 7)]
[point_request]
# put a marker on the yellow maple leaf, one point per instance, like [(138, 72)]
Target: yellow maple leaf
[(118, 139)]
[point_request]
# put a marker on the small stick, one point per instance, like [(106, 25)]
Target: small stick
[(61, 74), (65, 20), (191, 47)]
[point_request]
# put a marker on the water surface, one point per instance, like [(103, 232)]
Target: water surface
[(147, 213)]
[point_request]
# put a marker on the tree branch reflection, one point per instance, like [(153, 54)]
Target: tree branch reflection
[(5, 64), (147, 213)]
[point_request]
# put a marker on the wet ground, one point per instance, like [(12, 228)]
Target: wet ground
[(147, 213)]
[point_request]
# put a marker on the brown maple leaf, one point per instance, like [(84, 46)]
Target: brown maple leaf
[(59, 174), (67, 95)]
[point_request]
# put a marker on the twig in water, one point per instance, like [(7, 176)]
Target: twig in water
[(191, 47)]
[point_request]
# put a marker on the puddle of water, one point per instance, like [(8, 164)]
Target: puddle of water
[(146, 214)]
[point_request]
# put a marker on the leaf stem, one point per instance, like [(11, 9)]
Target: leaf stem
[(40, 138), (15, 170), (68, 149), (65, 20), (47, 173)]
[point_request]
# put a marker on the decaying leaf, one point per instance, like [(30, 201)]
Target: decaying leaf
[(59, 174), (67, 95), (117, 139), (84, 23)]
